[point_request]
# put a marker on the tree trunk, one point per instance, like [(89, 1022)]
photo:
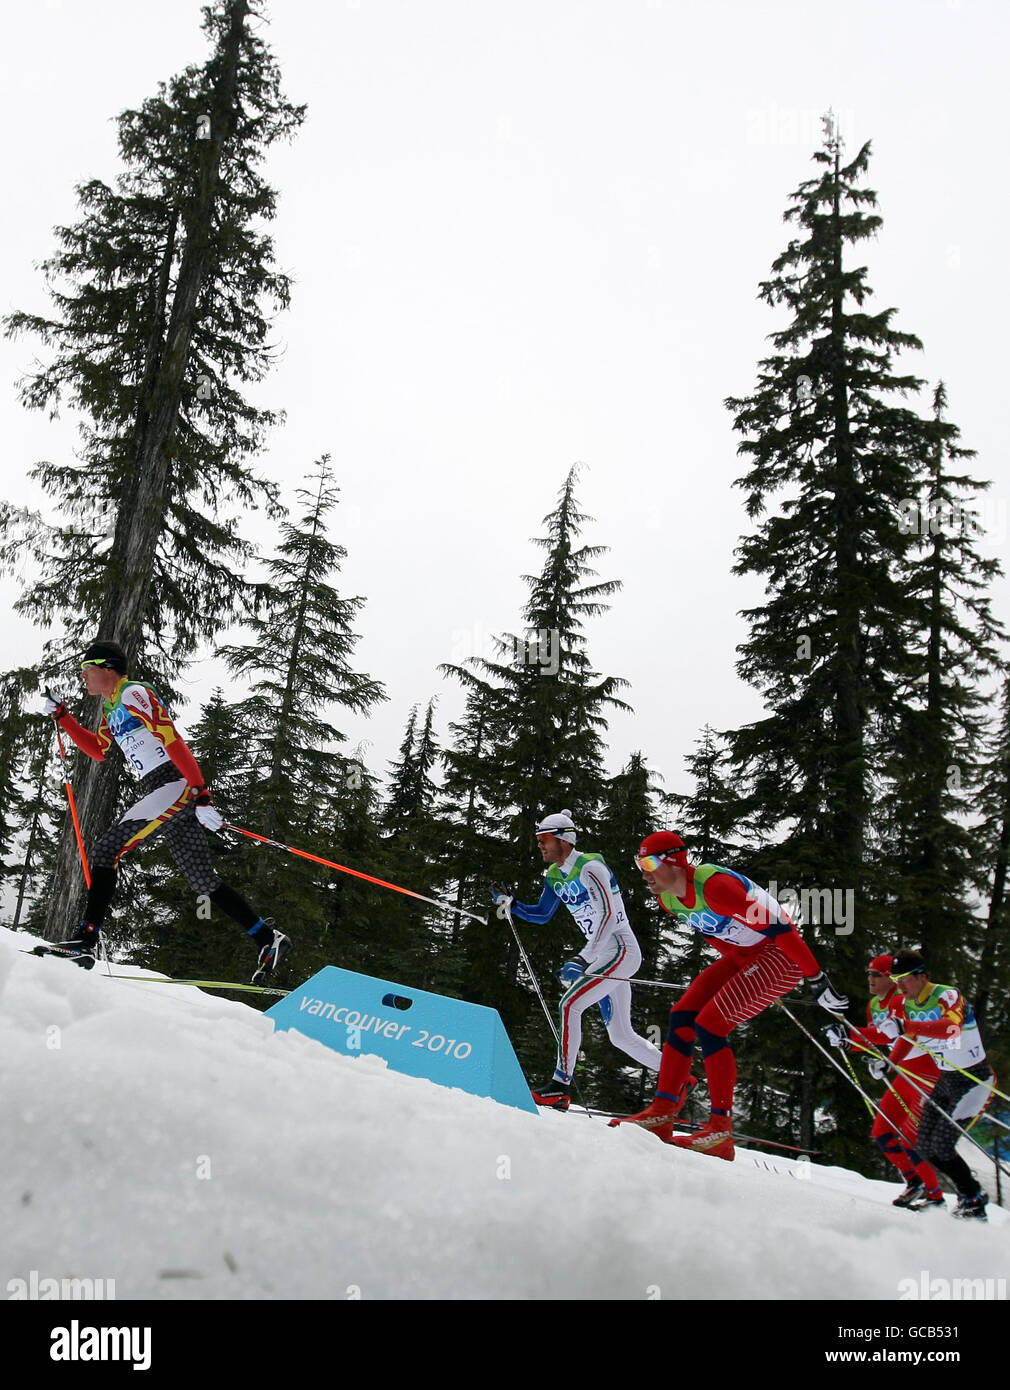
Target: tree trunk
[(995, 924), (144, 502)]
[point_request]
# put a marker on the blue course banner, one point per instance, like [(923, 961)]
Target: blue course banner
[(447, 1041)]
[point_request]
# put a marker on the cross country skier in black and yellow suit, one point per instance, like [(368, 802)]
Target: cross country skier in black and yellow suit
[(174, 802)]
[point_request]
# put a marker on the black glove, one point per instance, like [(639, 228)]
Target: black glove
[(826, 994), (838, 1036)]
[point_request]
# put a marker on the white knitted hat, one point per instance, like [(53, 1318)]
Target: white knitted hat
[(560, 825)]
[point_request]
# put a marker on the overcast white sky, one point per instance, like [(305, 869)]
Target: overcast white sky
[(524, 234)]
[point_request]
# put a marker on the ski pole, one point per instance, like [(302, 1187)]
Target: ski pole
[(855, 1080), (73, 807), (543, 1002), (897, 1096), (629, 980), (356, 873), (533, 979), (837, 1065)]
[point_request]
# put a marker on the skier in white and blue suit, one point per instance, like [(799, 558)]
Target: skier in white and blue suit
[(599, 974)]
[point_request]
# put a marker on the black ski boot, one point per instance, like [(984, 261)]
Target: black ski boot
[(274, 947), (973, 1208), (914, 1190), (555, 1095), (81, 948)]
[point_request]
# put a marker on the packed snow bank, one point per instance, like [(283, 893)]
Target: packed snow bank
[(171, 1141)]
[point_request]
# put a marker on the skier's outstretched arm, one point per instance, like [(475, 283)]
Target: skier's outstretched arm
[(540, 912)]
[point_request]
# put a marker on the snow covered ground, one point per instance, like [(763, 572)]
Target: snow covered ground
[(171, 1141)]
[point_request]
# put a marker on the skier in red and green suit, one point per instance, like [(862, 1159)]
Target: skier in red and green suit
[(896, 1128), (762, 957)]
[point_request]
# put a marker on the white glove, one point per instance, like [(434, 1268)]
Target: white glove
[(890, 1027), (878, 1068), (502, 901), (208, 816), (53, 704)]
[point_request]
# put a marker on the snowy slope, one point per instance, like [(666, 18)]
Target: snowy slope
[(170, 1140)]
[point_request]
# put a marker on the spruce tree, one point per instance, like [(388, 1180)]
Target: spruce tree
[(710, 819), (413, 933), (547, 711), (548, 749), (833, 454), (285, 776), (927, 842), (31, 804), (991, 984), (160, 298)]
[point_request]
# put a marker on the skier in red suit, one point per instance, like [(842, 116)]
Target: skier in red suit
[(762, 957), (895, 1129)]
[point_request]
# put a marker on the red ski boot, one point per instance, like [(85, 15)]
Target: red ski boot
[(659, 1116), (715, 1138)]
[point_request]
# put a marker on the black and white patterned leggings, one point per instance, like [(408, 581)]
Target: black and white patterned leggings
[(165, 811), (957, 1096)]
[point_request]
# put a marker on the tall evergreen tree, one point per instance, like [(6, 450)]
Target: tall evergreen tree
[(830, 443), (414, 934), (159, 294), (548, 749), (951, 654), (287, 776), (546, 711), (710, 819), (29, 807), (992, 977)]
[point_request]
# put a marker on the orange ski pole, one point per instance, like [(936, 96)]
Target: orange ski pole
[(73, 809), (342, 868)]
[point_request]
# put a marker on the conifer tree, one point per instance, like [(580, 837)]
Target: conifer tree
[(710, 819), (951, 653), (548, 717), (415, 934), (992, 976), (548, 749), (285, 776), (30, 809), (546, 711), (833, 454), (160, 296)]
